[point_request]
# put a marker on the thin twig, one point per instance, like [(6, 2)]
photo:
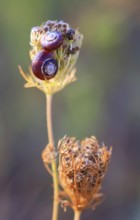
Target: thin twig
[(48, 169)]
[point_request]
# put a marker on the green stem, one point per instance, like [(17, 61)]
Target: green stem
[(77, 214), (54, 165)]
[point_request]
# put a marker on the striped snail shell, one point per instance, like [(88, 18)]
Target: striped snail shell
[(51, 40), (44, 66)]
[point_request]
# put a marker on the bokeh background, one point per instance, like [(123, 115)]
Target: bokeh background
[(105, 101)]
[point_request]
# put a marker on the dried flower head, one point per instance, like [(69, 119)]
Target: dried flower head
[(82, 167), (48, 156), (55, 49)]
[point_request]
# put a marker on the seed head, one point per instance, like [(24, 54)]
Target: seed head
[(82, 167), (65, 53)]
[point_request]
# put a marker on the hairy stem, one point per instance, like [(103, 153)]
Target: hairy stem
[(77, 214), (54, 165)]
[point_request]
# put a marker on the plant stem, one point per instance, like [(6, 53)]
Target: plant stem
[(77, 214), (54, 165), (49, 118)]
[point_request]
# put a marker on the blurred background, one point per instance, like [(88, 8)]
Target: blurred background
[(105, 102)]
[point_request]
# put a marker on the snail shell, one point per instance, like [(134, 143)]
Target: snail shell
[(44, 66), (51, 40)]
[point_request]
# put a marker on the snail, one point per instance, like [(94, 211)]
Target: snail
[(51, 40), (44, 66)]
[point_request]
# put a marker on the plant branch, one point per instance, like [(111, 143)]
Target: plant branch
[(54, 165), (77, 214)]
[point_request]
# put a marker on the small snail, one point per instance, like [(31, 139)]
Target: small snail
[(44, 66), (51, 40)]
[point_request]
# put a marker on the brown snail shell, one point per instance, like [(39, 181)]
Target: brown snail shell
[(44, 66), (51, 40)]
